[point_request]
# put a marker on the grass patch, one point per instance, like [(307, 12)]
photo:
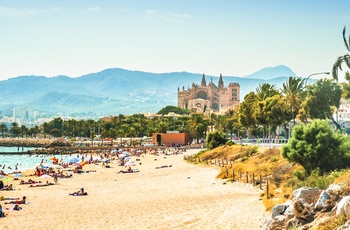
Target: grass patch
[(284, 177)]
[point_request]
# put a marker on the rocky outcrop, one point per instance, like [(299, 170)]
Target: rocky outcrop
[(309, 207)]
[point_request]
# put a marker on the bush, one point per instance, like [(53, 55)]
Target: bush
[(251, 150), (229, 143), (316, 145), (216, 139)]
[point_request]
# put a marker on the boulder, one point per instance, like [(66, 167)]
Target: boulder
[(344, 207), (302, 210), (346, 226), (322, 200), (307, 194), (267, 223), (334, 189), (278, 223), (279, 209)]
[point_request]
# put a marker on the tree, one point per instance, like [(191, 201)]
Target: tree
[(3, 129), (294, 94), (316, 145), (260, 114), (170, 108), (215, 139), (322, 100), (342, 59), (14, 129)]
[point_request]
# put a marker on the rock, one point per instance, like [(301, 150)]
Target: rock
[(279, 209), (294, 223), (321, 202), (346, 226), (267, 223), (278, 223), (307, 194), (289, 213), (302, 210), (344, 207), (335, 189)]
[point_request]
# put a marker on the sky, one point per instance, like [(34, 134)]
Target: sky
[(232, 37)]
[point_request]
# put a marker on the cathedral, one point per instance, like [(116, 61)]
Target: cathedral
[(209, 98)]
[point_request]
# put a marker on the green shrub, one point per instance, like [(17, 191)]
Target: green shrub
[(251, 150), (216, 139), (229, 143), (273, 159), (316, 145)]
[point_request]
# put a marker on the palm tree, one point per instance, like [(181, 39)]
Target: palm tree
[(342, 59), (3, 129), (14, 129), (293, 92), (263, 92)]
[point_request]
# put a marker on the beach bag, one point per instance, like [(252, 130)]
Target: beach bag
[(16, 207)]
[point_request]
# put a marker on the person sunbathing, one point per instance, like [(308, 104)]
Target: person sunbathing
[(30, 181), (23, 201), (42, 185), (164, 166), (81, 192), (7, 187), (126, 171)]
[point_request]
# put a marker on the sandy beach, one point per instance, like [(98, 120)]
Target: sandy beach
[(183, 196)]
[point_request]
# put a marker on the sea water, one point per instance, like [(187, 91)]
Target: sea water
[(8, 162)]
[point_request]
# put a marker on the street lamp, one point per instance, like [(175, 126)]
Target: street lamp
[(315, 74)]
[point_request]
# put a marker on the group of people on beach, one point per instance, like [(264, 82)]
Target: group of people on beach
[(104, 157)]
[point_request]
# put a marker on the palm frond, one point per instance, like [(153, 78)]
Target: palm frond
[(347, 43), (335, 72)]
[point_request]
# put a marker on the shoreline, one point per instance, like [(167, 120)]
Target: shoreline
[(183, 196)]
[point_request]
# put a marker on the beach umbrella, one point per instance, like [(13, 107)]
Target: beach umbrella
[(57, 166), (45, 176), (130, 163), (17, 175), (6, 179), (73, 160)]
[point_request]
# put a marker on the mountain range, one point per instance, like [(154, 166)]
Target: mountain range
[(117, 91)]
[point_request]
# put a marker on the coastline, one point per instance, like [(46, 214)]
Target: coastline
[(183, 196)]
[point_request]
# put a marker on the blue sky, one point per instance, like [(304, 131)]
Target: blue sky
[(232, 37)]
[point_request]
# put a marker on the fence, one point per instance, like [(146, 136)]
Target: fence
[(262, 142), (249, 178)]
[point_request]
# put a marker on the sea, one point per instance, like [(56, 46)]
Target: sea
[(20, 162)]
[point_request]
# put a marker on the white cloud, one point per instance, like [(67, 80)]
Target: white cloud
[(150, 13), (171, 17), (93, 9), (178, 17), (16, 12)]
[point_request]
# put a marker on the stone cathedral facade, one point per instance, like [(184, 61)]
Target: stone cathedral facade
[(209, 98)]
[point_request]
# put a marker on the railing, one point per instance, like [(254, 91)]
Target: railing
[(263, 142)]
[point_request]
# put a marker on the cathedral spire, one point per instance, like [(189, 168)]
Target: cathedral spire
[(204, 83), (221, 82)]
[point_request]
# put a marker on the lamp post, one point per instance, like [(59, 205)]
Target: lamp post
[(314, 75)]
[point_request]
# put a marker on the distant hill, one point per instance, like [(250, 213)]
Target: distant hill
[(117, 91), (272, 72)]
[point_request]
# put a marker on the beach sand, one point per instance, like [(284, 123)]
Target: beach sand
[(184, 196)]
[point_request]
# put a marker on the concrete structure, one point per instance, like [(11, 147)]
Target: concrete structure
[(170, 139), (209, 98)]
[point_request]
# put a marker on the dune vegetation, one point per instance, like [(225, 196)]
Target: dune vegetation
[(283, 176)]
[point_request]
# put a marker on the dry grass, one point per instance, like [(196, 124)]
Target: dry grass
[(265, 162)]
